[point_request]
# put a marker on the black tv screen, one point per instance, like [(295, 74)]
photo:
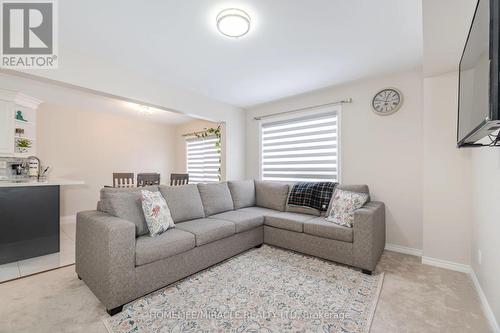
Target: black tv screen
[(478, 87)]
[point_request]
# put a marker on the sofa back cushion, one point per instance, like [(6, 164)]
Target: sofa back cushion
[(272, 195), (354, 188), (126, 204), (242, 192), (183, 201), (216, 198)]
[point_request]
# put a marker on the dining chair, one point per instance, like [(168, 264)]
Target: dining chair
[(147, 179), (123, 179), (177, 179)]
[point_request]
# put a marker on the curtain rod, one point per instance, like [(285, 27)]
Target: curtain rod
[(344, 101), (198, 132)]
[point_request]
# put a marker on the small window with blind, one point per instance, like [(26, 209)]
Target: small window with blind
[(301, 148), (203, 159)]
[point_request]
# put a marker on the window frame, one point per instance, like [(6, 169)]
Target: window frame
[(316, 111)]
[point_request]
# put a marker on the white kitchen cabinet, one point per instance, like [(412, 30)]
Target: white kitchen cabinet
[(12, 102)]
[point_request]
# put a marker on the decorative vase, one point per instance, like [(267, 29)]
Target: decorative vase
[(19, 116)]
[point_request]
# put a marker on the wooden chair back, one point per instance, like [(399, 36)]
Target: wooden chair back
[(123, 179), (147, 179), (177, 179)]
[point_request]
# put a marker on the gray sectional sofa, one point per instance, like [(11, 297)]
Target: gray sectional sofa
[(120, 262)]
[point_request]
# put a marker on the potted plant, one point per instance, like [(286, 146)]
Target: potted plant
[(23, 145)]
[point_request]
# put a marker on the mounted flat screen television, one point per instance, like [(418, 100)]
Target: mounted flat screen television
[(478, 116)]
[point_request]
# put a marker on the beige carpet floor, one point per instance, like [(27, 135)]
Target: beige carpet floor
[(414, 298)]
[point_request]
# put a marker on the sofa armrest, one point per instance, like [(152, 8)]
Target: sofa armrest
[(105, 256), (369, 235)]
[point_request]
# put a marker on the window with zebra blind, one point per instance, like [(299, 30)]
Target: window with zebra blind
[(203, 159), (301, 147)]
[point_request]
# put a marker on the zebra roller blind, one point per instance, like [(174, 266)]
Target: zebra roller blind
[(203, 160), (303, 148)]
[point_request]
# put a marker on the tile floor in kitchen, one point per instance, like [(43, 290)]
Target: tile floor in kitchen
[(44, 263)]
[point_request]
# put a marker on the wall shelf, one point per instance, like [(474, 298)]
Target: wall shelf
[(25, 123), (12, 102)]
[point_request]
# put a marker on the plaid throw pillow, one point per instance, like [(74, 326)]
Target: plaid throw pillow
[(314, 195)]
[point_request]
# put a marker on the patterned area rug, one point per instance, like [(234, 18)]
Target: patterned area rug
[(262, 290)]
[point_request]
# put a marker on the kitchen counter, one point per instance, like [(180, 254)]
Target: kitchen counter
[(46, 182)]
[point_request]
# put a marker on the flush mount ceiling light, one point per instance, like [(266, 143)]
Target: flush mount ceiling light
[(233, 22)]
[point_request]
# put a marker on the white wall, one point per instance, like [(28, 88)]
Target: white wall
[(447, 211), (383, 152), (446, 24), (486, 223), (90, 145)]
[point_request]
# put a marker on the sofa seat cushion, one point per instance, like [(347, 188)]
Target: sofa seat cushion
[(322, 228), (259, 211), (243, 221), (173, 241), (208, 230), (288, 221)]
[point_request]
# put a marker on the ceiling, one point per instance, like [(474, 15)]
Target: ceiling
[(74, 98), (149, 113), (293, 47), (82, 100)]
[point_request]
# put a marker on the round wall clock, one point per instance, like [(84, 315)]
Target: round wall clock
[(387, 101)]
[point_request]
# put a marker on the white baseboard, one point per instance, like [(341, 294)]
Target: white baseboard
[(486, 306), (403, 249), (454, 266), (68, 219)]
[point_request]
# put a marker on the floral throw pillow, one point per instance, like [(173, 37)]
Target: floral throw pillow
[(156, 212), (344, 203)]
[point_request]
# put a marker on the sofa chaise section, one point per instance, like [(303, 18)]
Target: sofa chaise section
[(360, 246)]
